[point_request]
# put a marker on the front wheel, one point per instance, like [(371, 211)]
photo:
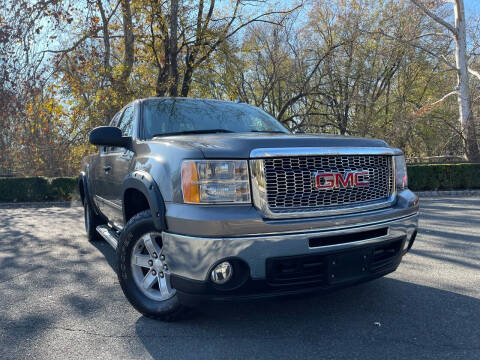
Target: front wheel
[(143, 270)]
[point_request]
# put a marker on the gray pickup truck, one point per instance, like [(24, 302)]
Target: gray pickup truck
[(214, 200)]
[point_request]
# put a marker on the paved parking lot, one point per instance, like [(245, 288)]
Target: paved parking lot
[(59, 298)]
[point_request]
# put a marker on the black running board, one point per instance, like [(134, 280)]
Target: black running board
[(109, 235)]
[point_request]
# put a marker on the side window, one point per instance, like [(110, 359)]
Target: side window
[(115, 119), (126, 124), (115, 122)]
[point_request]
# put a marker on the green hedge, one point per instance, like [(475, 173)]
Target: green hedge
[(444, 176), (63, 188), (420, 177), (36, 189)]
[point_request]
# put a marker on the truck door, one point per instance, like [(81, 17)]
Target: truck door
[(103, 170), (121, 166), (99, 179)]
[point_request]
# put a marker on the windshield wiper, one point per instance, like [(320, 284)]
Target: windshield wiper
[(205, 131)]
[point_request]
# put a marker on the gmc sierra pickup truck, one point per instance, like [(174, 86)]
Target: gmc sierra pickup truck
[(214, 200)]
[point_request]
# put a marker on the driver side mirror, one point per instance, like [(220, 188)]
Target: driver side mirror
[(109, 136)]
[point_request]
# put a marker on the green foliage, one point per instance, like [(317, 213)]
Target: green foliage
[(34, 189), (444, 177), (63, 187)]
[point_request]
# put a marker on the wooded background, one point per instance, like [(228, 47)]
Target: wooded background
[(390, 69)]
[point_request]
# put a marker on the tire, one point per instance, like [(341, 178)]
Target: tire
[(92, 220), (133, 245)]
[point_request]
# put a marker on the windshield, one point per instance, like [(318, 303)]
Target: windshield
[(164, 117)]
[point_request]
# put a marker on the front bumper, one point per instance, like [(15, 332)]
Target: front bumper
[(193, 257), (352, 245), (193, 292)]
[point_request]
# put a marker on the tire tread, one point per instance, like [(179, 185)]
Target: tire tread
[(181, 311), (95, 220)]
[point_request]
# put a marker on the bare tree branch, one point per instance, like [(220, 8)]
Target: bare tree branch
[(434, 17), (474, 73), (429, 107), (420, 47)]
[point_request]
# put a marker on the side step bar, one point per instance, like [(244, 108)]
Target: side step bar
[(108, 234)]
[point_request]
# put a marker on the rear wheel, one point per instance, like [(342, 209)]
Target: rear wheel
[(143, 270), (92, 220)]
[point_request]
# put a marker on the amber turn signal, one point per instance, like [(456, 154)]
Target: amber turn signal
[(190, 185)]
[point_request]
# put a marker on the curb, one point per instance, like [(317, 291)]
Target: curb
[(443, 193), (20, 205)]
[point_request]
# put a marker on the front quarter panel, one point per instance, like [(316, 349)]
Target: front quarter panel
[(162, 160)]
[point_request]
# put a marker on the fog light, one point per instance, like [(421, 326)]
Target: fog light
[(222, 273)]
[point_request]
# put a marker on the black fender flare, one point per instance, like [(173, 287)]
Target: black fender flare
[(82, 185), (87, 196), (143, 182)]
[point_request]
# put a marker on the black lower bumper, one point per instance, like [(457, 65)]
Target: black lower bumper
[(302, 274)]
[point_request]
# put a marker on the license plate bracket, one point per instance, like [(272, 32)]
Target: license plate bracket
[(348, 266)]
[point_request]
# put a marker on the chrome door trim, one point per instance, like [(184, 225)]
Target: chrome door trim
[(316, 151), (108, 202)]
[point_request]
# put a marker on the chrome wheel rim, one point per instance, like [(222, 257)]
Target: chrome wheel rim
[(149, 269)]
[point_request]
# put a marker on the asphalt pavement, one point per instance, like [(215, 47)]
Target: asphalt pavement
[(60, 299)]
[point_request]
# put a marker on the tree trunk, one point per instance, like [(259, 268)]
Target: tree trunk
[(464, 99), (467, 123), (129, 52), (187, 77), (162, 80), (173, 69)]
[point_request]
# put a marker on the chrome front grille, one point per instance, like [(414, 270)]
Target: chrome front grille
[(289, 182)]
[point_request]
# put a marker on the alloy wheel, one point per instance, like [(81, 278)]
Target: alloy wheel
[(149, 269)]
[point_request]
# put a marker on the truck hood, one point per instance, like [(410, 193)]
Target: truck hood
[(239, 145)]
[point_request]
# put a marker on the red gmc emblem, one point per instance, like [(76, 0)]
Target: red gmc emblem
[(338, 180)]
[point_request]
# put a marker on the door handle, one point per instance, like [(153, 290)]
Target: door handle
[(107, 168)]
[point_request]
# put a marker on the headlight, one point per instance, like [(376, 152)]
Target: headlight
[(401, 172), (215, 181)]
